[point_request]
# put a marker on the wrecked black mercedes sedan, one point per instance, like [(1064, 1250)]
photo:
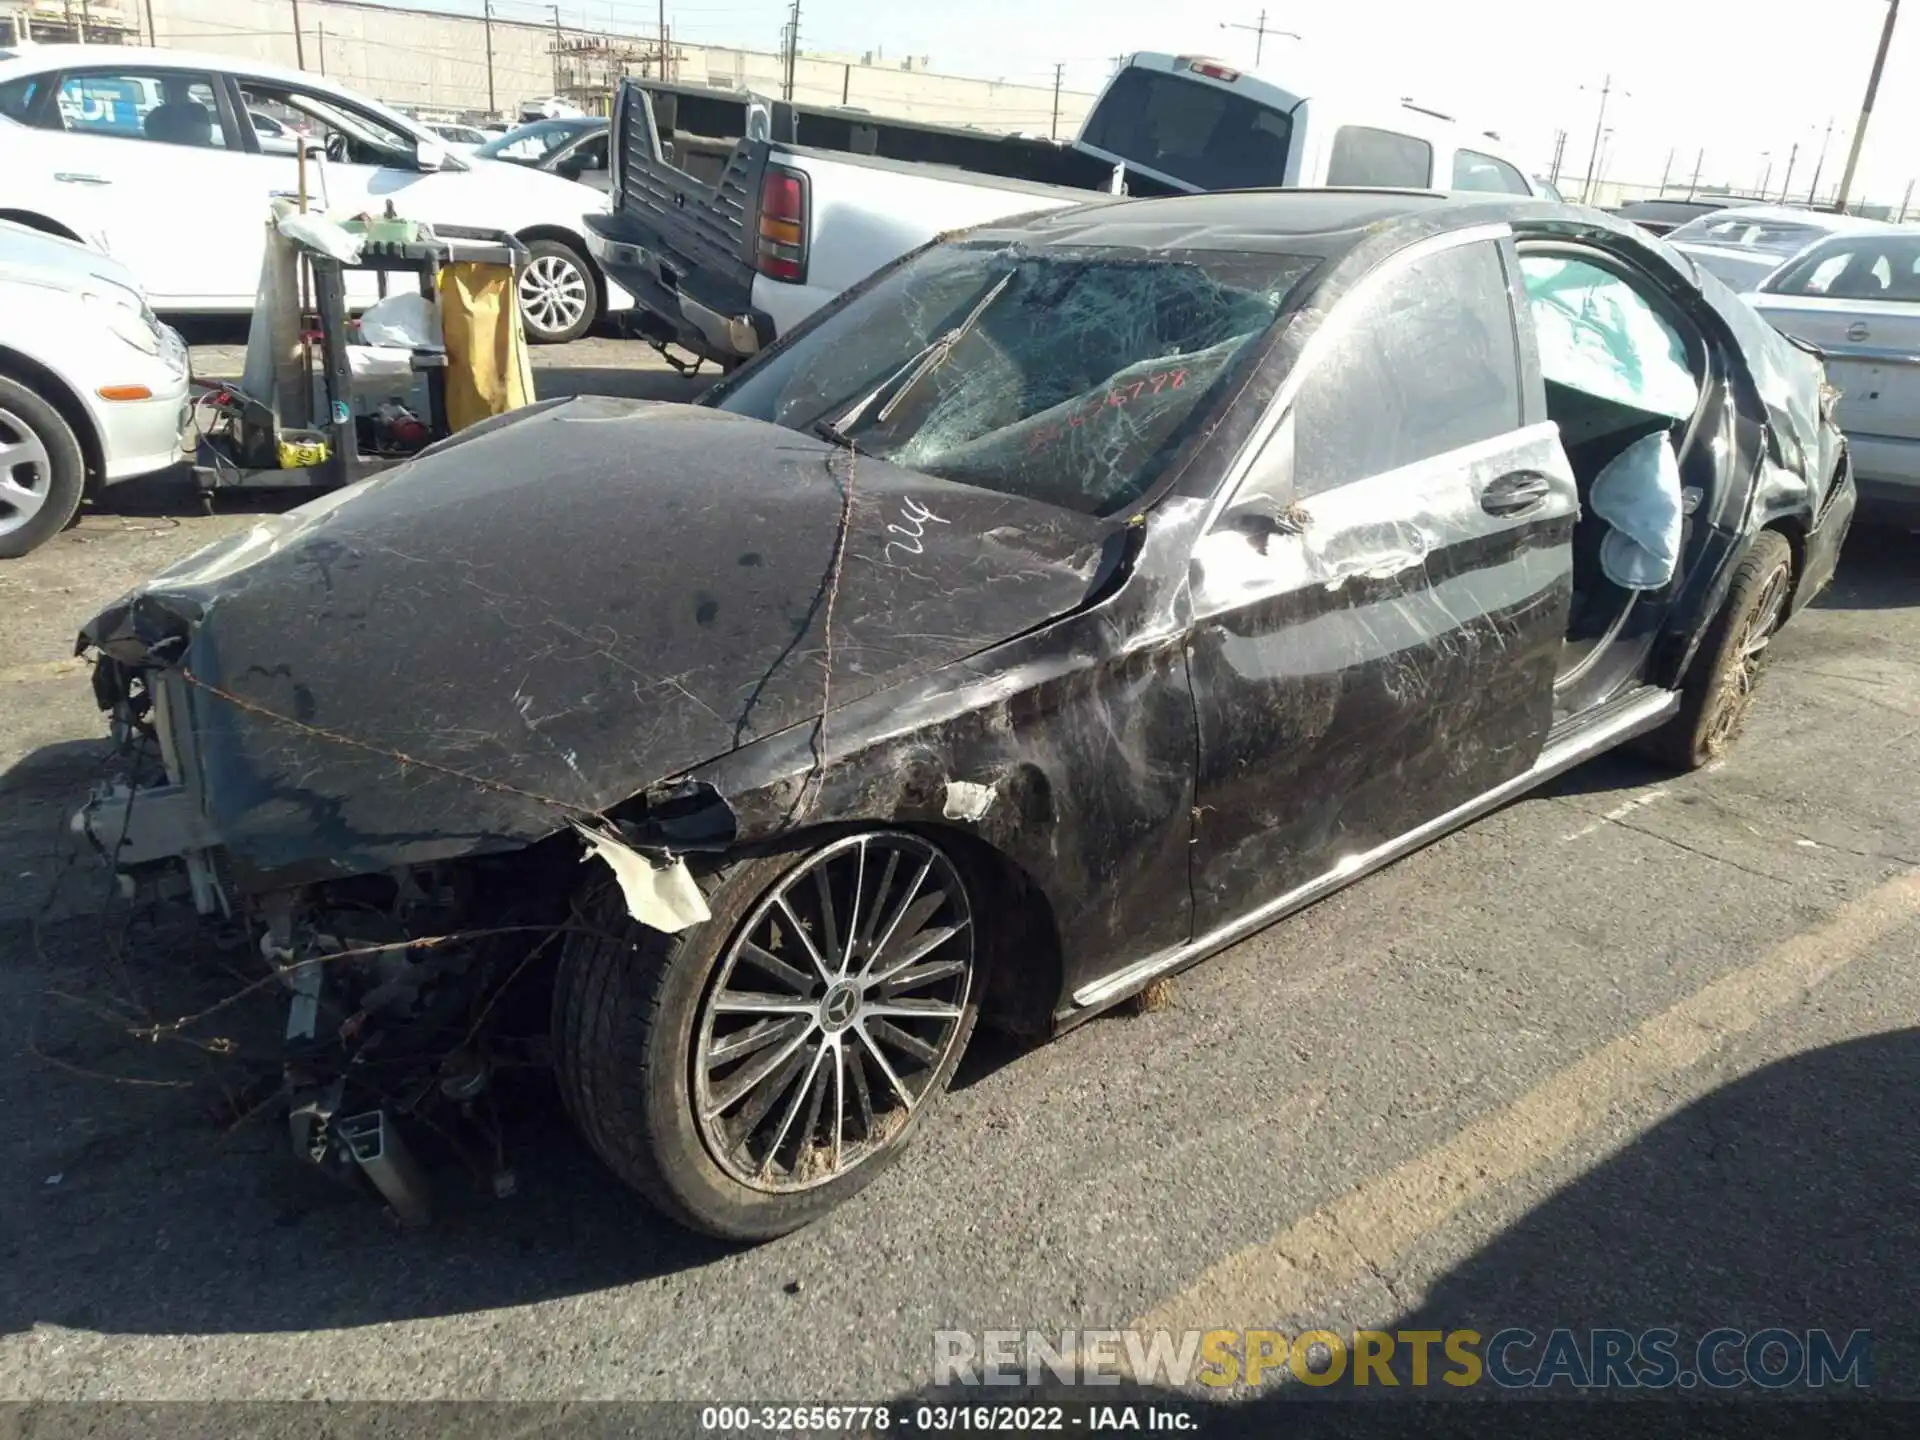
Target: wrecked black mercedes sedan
[(1069, 601)]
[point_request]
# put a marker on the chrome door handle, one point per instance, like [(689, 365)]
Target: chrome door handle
[(67, 177), (1515, 492)]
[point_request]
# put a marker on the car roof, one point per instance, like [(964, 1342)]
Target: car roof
[(1321, 222), (33, 58), (1789, 215)]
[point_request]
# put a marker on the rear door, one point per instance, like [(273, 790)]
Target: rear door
[(1379, 604), (156, 145), (1858, 300)]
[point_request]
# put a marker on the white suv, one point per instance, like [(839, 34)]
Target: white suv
[(159, 150)]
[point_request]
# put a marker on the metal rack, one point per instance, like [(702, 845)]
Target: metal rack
[(248, 455)]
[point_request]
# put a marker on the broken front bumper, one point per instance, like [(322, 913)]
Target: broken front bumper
[(155, 829)]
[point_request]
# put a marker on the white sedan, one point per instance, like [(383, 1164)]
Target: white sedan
[(161, 151), (93, 388)]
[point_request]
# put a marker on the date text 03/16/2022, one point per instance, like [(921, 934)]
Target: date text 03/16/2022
[(946, 1419)]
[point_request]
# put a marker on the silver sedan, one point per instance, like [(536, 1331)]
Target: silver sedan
[(1856, 298)]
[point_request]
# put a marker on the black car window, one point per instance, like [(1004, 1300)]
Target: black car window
[(1424, 364), (167, 107), (1193, 131), (1868, 268), (1474, 171), (17, 96), (1365, 156), (1067, 376)]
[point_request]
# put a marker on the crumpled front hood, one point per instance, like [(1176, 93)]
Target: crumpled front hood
[(554, 611)]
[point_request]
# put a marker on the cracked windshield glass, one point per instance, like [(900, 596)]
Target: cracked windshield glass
[(1069, 376)]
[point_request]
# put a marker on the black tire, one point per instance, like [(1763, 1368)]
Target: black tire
[(44, 460), (541, 293), (628, 1006), (1719, 690)]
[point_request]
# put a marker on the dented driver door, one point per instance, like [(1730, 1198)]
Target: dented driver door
[(1380, 600)]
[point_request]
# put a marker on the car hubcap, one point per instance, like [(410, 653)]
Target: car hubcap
[(26, 473), (834, 1012), (553, 293), (1736, 686)]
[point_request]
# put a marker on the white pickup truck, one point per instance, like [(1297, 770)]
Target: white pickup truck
[(734, 217)]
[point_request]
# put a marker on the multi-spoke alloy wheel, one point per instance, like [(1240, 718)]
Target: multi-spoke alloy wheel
[(1719, 690), (755, 1070), (836, 1006)]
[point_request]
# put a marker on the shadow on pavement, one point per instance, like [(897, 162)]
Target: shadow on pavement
[(1879, 570), (1782, 1201)]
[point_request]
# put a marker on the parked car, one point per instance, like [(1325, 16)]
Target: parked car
[(573, 149), (276, 136), (1743, 246), (1080, 596), (1856, 298), (462, 138), (727, 246), (1662, 216), (93, 388), (166, 143)]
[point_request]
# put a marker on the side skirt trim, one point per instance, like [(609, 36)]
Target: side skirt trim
[(1579, 740)]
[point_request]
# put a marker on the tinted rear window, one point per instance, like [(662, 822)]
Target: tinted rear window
[(1775, 237), (1365, 156), (1197, 133), (1474, 171)]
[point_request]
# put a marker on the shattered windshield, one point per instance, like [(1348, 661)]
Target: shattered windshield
[(1069, 376)]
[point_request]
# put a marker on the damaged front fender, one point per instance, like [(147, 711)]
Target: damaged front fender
[(524, 631)]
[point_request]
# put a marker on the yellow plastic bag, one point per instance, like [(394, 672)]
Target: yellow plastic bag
[(488, 369)]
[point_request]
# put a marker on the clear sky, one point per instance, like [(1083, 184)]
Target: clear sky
[(1744, 80)]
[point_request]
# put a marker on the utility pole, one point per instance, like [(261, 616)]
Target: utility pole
[(1559, 152), (1820, 164), (1058, 71), (1866, 108), (558, 41), (322, 45), (1599, 124), (1905, 200), (299, 41), (793, 51), (1666, 170), (663, 40), (1766, 174), (486, 12), (86, 22), (153, 35), (1260, 32), (1787, 184), (1699, 159)]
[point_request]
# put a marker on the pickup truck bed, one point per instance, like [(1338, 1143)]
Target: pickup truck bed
[(682, 234)]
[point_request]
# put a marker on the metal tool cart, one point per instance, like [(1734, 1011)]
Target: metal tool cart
[(249, 445)]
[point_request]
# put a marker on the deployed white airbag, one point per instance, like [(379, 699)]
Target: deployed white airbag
[(1638, 495), (1598, 337)]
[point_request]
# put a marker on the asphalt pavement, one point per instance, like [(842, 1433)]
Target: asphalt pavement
[(1638, 1051)]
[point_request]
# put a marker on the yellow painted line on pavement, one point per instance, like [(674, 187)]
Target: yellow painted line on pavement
[(1370, 1226)]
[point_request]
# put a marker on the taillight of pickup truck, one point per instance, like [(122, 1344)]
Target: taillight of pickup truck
[(782, 252)]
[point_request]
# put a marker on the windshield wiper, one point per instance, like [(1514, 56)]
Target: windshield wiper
[(834, 435), (930, 357)]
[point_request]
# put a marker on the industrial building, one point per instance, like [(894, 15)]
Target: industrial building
[(460, 63)]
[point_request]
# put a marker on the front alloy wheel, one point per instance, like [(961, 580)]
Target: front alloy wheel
[(754, 1071), (836, 1006)]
